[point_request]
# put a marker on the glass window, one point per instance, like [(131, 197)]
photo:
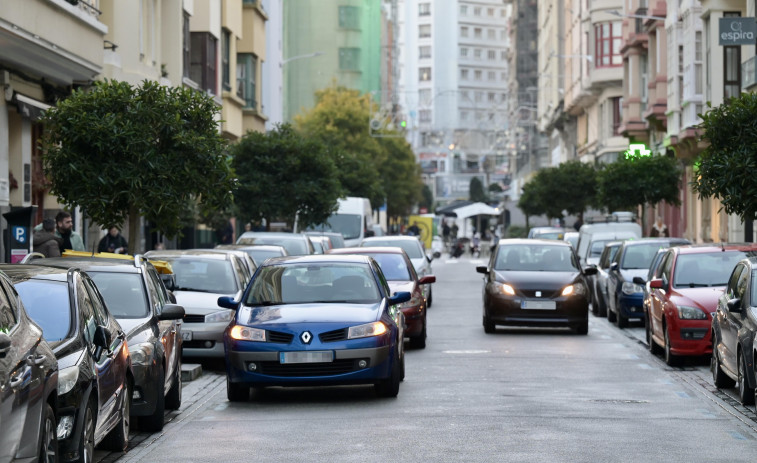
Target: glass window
[(476, 11), (731, 71), (424, 30), (463, 52), (124, 294), (349, 17), (477, 33), (463, 32), (464, 74), (349, 59), (186, 46), (477, 74), (705, 269), (463, 10), (477, 53), (203, 275), (536, 258), (47, 303), (225, 64), (412, 247), (639, 256), (393, 266), (424, 51), (247, 64), (424, 9), (424, 74), (203, 61), (492, 55), (608, 42)]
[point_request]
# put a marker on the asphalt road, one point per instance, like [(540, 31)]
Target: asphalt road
[(519, 395)]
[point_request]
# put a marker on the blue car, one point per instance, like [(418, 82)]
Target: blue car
[(315, 320)]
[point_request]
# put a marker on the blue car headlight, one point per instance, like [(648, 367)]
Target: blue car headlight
[(245, 333), (367, 330)]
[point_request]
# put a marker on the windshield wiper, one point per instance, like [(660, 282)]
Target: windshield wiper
[(695, 285), (267, 303)]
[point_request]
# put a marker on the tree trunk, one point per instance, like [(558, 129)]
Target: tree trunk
[(134, 235), (644, 231)]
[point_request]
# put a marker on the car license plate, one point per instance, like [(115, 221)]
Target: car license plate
[(186, 335), (318, 356), (538, 305)]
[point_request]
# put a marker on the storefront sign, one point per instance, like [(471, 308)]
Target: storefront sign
[(738, 31)]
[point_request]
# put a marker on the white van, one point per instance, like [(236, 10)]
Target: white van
[(594, 234), (353, 219)]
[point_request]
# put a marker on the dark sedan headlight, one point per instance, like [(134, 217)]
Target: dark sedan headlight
[(141, 354), (631, 288), (507, 289), (691, 313), (576, 289), (67, 379)]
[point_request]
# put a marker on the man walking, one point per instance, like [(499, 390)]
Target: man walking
[(64, 229)]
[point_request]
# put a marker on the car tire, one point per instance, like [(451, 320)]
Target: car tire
[(719, 378), (488, 325), (87, 438), (746, 393), (48, 447), (653, 347), (173, 398), (671, 359), (419, 342), (236, 392), (622, 320), (583, 327), (390, 386), (118, 438), (611, 317), (154, 422)]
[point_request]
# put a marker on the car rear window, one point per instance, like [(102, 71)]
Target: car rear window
[(203, 275), (295, 245), (705, 269), (640, 256), (410, 246), (47, 303)]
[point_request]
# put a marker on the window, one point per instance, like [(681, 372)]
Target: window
[(644, 79), (492, 55), (463, 115), (424, 30), (424, 9), (186, 45), (477, 11), (349, 59), (490, 12), (424, 74), (491, 75), (491, 34), (463, 52), (424, 51), (490, 97), (477, 75), (479, 96), (477, 33), (503, 55), (424, 95), (424, 115), (247, 65), (463, 32), (731, 71), (607, 44), (502, 76), (203, 61), (617, 115), (698, 64), (463, 74), (225, 65), (463, 10), (349, 17), (477, 53)]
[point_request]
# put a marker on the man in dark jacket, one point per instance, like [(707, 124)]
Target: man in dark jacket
[(45, 241), (113, 242)]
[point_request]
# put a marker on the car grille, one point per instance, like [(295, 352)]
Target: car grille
[(194, 318), (544, 294), (333, 336), (337, 367), (199, 344), (278, 337)]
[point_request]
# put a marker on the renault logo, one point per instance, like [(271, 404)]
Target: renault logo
[(306, 337)]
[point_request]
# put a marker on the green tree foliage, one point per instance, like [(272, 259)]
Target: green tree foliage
[(576, 187), (628, 183), (530, 201), (120, 151), (427, 200), (476, 191), (400, 176), (726, 167), (282, 174)]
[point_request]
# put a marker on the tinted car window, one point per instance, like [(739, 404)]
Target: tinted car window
[(295, 246), (123, 293), (47, 304), (538, 258), (754, 288), (203, 275), (705, 269), (639, 256), (733, 281), (346, 224), (411, 247), (393, 266)]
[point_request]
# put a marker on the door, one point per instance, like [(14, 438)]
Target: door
[(167, 328), (659, 298), (731, 322)]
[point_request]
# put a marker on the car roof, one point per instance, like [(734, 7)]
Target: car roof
[(714, 247), (640, 241), (318, 259), (177, 253), (22, 272), (391, 238), (94, 264), (368, 250), (531, 241)]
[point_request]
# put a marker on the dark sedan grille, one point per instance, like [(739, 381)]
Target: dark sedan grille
[(194, 318), (337, 367), (333, 336), (279, 337), (545, 294)]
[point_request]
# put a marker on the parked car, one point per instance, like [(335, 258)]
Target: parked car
[(415, 251), (336, 239), (320, 320), (530, 282), (599, 281), (94, 380), (248, 264), (625, 299), (572, 238), (734, 325), (28, 390), (296, 244), (401, 276), (598, 231), (547, 233), (137, 298), (644, 282), (685, 292), (258, 253), (201, 277), (321, 244)]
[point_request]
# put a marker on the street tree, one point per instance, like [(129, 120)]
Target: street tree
[(636, 181), (725, 168), (427, 198), (400, 176), (282, 174), (476, 191), (120, 151), (530, 201), (575, 187)]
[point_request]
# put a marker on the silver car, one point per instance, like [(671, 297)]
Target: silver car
[(414, 249), (201, 277)]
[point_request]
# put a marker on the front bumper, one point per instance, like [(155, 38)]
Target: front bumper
[(146, 388), (631, 306), (206, 339), (414, 320), (690, 337), (507, 310)]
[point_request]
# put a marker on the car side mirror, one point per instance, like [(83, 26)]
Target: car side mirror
[(656, 283), (427, 279), (734, 305), (614, 266), (639, 281), (591, 270), (5, 344), (172, 312), (399, 297), (482, 269), (228, 302), (101, 340)]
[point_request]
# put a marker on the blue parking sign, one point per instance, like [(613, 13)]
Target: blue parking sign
[(19, 234)]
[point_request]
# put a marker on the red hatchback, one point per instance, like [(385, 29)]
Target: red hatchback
[(683, 296), (400, 274)]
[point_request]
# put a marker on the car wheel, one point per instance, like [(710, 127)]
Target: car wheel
[(583, 327), (488, 325), (721, 380), (173, 398), (390, 386), (87, 440), (48, 450), (601, 305), (746, 393), (236, 392), (611, 315), (154, 422), (622, 320), (118, 439), (670, 358), (419, 342)]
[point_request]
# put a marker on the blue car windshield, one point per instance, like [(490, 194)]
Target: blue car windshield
[(47, 303), (306, 283), (124, 293)]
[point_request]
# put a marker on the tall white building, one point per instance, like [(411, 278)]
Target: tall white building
[(453, 90)]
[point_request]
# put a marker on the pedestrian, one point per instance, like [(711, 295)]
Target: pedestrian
[(445, 232), (453, 231), (45, 241), (113, 242), (64, 229), (413, 229), (659, 228)]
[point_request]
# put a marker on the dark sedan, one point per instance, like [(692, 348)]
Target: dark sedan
[(315, 320), (28, 389), (734, 326), (535, 282), (94, 382), (137, 298)]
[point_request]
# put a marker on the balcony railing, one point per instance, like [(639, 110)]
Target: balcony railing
[(749, 73)]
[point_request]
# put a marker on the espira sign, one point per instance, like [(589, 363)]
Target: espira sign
[(737, 31)]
